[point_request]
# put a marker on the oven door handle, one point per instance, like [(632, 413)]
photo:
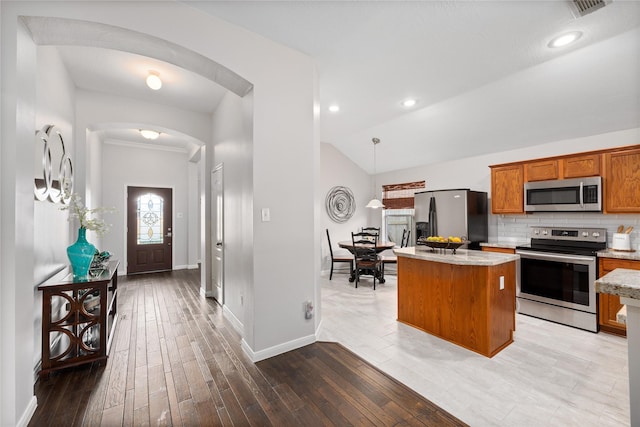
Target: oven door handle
[(545, 256)]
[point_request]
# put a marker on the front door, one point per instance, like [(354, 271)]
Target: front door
[(217, 212), (149, 229)]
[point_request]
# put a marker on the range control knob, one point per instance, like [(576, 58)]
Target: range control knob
[(585, 234), (596, 234), (545, 232)]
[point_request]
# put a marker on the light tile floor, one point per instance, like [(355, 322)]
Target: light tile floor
[(551, 375)]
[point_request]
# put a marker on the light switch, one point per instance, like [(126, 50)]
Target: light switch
[(501, 282), (266, 215)]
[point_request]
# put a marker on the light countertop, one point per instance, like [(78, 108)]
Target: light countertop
[(610, 253), (506, 242), (622, 282), (461, 257)]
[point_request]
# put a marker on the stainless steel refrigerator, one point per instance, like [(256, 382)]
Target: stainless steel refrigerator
[(459, 212)]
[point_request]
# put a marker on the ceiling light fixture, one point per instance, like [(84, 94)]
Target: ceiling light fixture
[(149, 134), (565, 39), (153, 80), (334, 108), (375, 203), (409, 102)]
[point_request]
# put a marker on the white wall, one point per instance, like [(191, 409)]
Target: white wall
[(55, 93), (233, 149), (18, 118), (144, 168), (338, 170)]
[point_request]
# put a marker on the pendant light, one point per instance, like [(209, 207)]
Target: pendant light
[(374, 203)]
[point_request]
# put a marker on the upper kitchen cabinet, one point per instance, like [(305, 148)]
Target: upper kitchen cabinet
[(622, 181), (581, 166), (541, 170), (507, 189), (574, 166)]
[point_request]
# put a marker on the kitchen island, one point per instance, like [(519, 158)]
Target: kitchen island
[(467, 298), (625, 283)]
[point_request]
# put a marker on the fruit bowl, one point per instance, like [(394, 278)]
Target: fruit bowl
[(447, 244)]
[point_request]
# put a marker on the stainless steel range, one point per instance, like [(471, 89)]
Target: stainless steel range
[(557, 274)]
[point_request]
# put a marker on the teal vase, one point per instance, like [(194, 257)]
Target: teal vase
[(80, 255)]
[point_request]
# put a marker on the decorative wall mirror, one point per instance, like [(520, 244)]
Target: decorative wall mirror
[(53, 168)]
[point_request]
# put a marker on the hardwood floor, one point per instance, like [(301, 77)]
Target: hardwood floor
[(176, 361)]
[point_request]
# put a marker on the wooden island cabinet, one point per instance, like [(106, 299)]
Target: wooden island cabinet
[(467, 298)]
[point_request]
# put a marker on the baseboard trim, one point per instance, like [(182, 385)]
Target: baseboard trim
[(193, 266), (205, 293), (28, 413), (235, 322), (257, 356)]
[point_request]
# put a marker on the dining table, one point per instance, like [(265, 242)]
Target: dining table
[(380, 246)]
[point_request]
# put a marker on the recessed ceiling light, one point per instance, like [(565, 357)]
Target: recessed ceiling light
[(409, 102), (334, 108), (565, 39), (153, 80), (149, 134)]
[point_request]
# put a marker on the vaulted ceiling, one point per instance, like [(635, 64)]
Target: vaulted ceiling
[(482, 73)]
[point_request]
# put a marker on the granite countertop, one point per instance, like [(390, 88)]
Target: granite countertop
[(622, 282), (461, 257), (610, 253), (506, 243)]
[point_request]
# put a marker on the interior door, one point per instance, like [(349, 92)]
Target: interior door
[(149, 229), (217, 233)]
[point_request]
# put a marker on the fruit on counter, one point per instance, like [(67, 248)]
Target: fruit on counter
[(441, 239)]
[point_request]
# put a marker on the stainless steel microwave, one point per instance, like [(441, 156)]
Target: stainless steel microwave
[(564, 195)]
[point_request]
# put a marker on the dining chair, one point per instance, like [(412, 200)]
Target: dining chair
[(375, 230), (392, 258), (367, 261), (405, 238), (344, 259)]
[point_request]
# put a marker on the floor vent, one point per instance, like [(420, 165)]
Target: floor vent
[(585, 7)]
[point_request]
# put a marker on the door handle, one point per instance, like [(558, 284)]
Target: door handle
[(219, 244)]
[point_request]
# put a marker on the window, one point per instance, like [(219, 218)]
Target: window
[(400, 196), (150, 219)]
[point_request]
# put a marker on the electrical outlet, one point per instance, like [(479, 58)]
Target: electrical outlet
[(501, 282), (308, 310)]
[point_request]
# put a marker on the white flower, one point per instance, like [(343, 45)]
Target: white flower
[(83, 214)]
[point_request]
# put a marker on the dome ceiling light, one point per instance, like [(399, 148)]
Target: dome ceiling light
[(375, 203), (149, 134), (153, 80)]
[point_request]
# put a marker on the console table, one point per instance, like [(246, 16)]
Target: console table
[(78, 318)]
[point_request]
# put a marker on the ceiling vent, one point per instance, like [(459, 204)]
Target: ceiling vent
[(585, 7)]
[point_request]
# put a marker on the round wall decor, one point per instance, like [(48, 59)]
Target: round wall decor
[(340, 204)]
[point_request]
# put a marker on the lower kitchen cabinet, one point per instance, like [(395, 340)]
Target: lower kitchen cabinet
[(78, 318), (609, 305)]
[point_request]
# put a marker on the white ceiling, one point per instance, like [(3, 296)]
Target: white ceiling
[(483, 75)]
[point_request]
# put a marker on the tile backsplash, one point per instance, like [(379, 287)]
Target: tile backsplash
[(510, 228)]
